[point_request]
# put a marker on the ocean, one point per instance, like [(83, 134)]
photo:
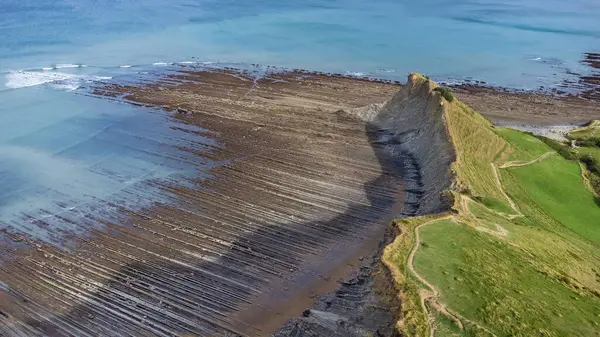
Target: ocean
[(509, 43), (63, 152)]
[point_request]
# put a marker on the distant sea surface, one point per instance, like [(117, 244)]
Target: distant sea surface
[(61, 152), (514, 43)]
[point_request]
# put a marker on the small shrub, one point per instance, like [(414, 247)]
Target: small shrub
[(588, 142), (593, 166), (594, 180), (563, 150), (446, 93), (591, 163)]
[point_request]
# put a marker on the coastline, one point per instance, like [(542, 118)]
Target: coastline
[(295, 183), (313, 112)]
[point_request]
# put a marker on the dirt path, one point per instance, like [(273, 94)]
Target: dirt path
[(520, 163), (432, 295), (495, 170), (500, 231), (510, 202), (586, 180)]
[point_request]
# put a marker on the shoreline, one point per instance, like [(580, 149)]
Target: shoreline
[(541, 106), (288, 139), (537, 108), (296, 182)]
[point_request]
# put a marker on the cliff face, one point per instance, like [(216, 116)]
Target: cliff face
[(413, 123), (286, 194), (411, 128)]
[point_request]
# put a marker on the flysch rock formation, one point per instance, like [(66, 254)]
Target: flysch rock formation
[(410, 126), (296, 202)]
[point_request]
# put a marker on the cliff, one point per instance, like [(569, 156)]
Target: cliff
[(412, 128)]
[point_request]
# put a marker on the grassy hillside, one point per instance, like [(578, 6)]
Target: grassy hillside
[(591, 130), (592, 151), (587, 150), (520, 254)]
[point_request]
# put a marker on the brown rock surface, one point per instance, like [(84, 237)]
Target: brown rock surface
[(301, 191)]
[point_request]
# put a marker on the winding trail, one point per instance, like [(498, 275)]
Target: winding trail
[(500, 231), (520, 163), (432, 295), (586, 180), (495, 170)]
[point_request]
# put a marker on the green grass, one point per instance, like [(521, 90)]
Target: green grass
[(591, 157), (523, 148), (590, 131), (495, 284), (592, 151), (477, 145), (537, 276), (446, 327), (556, 186), (445, 92), (413, 321)]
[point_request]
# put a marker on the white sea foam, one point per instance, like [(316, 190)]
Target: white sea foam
[(187, 62), (47, 68), (22, 79), (66, 86), (451, 82), (125, 66), (160, 64), (355, 73), (58, 80), (537, 59), (69, 65)]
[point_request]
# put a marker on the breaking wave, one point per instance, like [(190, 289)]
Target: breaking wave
[(59, 80), (69, 65)]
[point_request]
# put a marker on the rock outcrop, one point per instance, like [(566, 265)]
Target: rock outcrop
[(411, 126), (414, 118)]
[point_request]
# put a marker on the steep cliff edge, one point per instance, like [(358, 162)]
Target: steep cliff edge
[(522, 234), (412, 128), (415, 118)]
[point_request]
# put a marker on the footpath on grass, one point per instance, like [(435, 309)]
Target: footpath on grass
[(517, 243), (432, 296)]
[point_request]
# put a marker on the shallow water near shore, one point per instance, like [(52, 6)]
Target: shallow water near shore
[(61, 149), (66, 163), (509, 43)]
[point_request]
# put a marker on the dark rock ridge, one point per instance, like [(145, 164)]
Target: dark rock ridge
[(411, 127)]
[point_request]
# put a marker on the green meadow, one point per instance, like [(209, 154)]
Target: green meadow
[(591, 130), (520, 253)]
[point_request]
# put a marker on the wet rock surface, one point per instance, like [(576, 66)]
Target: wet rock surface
[(411, 128), (591, 82), (368, 303), (298, 193), (574, 101)]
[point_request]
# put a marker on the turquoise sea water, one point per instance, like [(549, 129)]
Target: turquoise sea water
[(517, 43), (61, 152)]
